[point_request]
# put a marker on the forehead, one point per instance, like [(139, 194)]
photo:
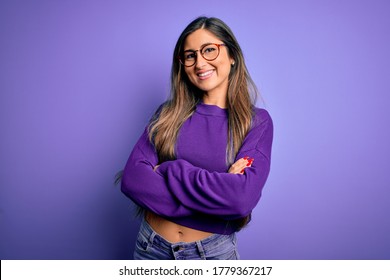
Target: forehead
[(199, 38)]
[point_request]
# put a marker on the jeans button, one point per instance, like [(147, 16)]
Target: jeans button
[(177, 248)]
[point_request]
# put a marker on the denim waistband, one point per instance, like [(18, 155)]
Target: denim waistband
[(203, 247)]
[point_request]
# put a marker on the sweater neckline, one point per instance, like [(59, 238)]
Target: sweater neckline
[(211, 110)]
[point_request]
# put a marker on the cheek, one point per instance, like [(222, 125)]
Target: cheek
[(190, 75), (224, 69), (223, 65)]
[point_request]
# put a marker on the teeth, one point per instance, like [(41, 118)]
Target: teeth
[(205, 73)]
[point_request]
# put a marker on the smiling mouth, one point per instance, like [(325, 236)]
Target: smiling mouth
[(205, 75)]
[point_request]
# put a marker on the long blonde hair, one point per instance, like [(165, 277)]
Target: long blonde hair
[(241, 96)]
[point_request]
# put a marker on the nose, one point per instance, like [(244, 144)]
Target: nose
[(200, 61)]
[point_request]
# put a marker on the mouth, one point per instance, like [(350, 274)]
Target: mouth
[(205, 74)]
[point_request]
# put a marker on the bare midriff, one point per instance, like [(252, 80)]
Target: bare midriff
[(173, 232)]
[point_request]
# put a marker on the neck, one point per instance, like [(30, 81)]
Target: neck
[(219, 101)]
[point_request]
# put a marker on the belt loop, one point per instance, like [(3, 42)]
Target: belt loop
[(200, 249), (234, 238), (151, 239)]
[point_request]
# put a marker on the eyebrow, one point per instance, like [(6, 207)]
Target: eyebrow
[(191, 50)]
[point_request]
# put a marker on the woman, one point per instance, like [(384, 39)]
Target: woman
[(199, 167)]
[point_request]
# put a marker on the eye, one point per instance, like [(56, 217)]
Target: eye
[(209, 49), (189, 55)]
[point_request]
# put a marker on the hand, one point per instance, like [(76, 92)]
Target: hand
[(239, 166)]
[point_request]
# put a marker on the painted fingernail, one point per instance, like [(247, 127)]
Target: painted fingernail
[(249, 164), (246, 157), (242, 171)]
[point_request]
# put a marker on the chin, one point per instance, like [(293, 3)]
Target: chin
[(205, 88)]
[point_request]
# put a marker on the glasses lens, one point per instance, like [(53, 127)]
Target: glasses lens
[(210, 52), (188, 58)]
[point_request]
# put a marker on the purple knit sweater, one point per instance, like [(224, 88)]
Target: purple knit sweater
[(195, 190)]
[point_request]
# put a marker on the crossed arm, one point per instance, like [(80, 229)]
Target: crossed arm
[(178, 189)]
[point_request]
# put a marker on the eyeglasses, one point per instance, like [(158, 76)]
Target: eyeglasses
[(209, 52)]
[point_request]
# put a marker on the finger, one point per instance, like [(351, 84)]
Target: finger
[(249, 164), (238, 166), (250, 161)]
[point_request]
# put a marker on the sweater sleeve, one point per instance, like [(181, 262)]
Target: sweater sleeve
[(229, 196), (147, 188)]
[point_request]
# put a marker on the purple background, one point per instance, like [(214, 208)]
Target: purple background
[(79, 80)]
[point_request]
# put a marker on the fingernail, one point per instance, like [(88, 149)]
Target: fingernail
[(242, 171), (246, 157), (249, 164)]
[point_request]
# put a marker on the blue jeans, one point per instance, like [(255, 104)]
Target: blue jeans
[(151, 246)]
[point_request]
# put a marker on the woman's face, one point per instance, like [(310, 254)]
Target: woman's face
[(209, 76)]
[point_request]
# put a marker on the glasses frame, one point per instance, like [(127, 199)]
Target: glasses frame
[(200, 51)]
